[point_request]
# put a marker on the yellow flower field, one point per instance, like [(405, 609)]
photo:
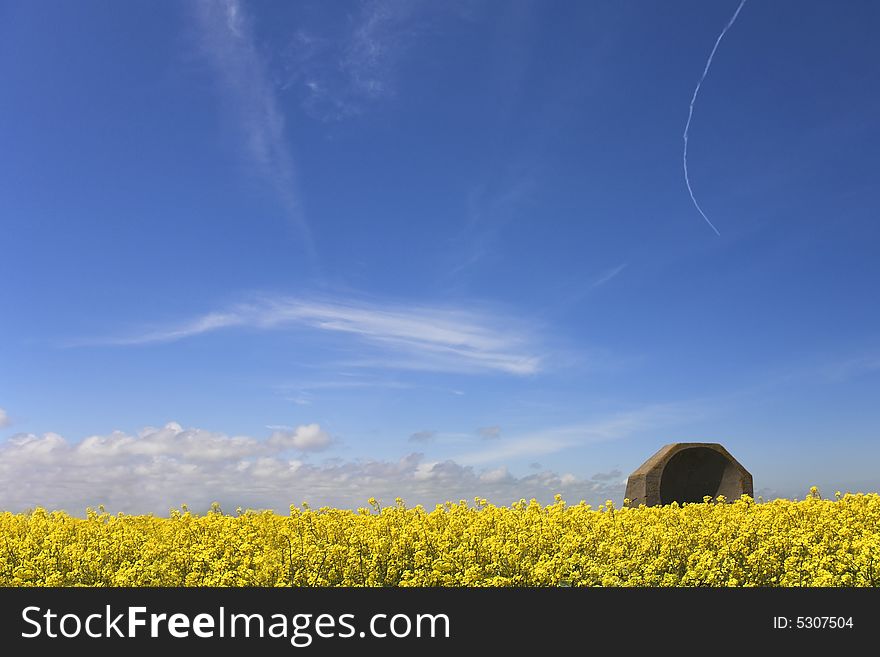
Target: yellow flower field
[(813, 542)]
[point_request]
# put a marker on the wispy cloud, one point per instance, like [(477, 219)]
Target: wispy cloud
[(581, 290), (227, 38), (338, 75), (162, 468), (373, 43), (607, 275), (823, 369), (349, 382), (691, 114), (547, 442), (490, 433), (305, 392), (401, 336), (848, 368), (489, 209), (615, 426), (4, 418)]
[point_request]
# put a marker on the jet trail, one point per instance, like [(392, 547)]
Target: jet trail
[(691, 114)]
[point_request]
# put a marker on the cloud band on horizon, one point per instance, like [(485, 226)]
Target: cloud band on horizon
[(163, 468)]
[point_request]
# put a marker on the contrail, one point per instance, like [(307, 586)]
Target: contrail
[(691, 114)]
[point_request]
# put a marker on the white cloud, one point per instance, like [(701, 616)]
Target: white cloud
[(422, 436), (227, 38), (307, 438), (490, 432), (495, 476), (161, 468), (4, 419), (611, 475), (403, 336)]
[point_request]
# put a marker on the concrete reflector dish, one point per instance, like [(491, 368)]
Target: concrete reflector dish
[(687, 472)]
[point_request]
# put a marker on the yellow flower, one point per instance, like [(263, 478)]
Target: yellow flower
[(812, 542)]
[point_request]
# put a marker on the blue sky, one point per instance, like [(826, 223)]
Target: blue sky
[(270, 252)]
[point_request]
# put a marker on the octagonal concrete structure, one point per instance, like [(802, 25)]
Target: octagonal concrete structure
[(687, 472)]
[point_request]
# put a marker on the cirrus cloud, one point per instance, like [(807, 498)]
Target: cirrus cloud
[(394, 335)]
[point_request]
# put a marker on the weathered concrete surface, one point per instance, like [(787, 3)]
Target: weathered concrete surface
[(686, 472)]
